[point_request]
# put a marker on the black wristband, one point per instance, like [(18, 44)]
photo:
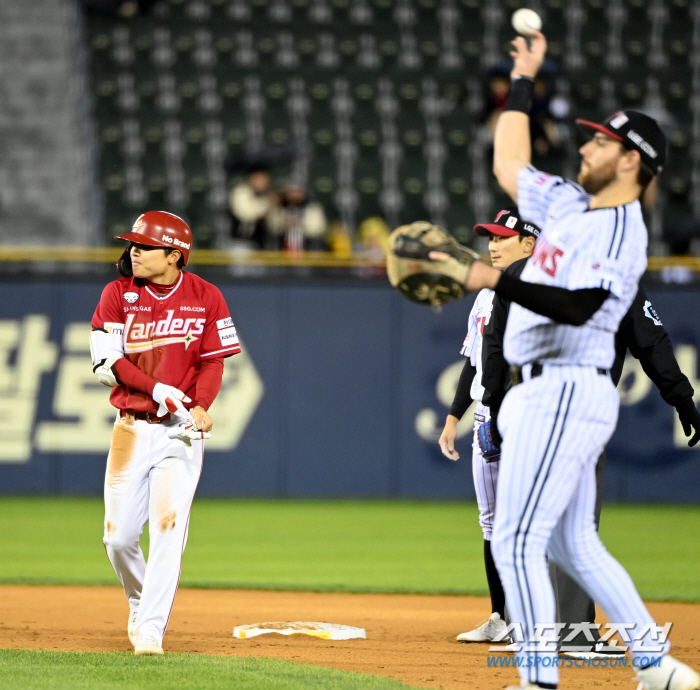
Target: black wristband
[(520, 95)]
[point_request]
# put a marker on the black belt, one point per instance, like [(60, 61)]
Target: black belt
[(145, 416), (516, 373)]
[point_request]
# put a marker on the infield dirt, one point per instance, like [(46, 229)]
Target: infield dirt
[(409, 637)]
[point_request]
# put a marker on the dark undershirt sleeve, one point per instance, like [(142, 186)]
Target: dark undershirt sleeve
[(493, 364), (650, 344), (573, 307), (494, 378), (463, 397)]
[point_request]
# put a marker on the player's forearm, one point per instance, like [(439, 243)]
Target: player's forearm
[(130, 375), (511, 149), (660, 365), (572, 307), (209, 381)]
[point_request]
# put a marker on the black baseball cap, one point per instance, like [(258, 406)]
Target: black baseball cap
[(507, 224), (635, 131)]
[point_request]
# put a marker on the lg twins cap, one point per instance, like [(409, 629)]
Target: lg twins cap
[(166, 337)]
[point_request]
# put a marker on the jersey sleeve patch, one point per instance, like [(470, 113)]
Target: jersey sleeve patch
[(228, 336), (106, 343), (114, 328), (224, 323)]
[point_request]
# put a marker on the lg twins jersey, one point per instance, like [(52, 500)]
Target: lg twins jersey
[(578, 248), (478, 318), (166, 337)]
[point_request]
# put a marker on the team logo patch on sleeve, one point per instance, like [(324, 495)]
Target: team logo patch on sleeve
[(228, 336), (224, 323), (650, 313), (131, 297), (114, 328)]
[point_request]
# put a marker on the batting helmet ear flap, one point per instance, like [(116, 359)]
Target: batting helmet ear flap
[(124, 264)]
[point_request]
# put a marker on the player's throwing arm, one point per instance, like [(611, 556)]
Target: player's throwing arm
[(559, 343)]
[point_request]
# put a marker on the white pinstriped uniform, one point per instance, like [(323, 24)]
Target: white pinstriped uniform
[(485, 474), (556, 425)]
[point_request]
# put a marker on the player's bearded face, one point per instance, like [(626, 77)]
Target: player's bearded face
[(599, 164)]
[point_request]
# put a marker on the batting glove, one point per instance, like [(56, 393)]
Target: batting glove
[(187, 432), (170, 400)]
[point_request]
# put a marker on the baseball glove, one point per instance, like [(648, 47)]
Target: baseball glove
[(489, 450), (416, 275)]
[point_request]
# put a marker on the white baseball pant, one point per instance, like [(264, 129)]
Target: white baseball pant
[(554, 429), (485, 476), (151, 479)]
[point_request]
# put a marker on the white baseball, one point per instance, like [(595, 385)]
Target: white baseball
[(526, 21)]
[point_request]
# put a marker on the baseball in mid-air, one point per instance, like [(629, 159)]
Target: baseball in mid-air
[(526, 21)]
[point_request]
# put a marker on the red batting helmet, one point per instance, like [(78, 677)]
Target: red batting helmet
[(157, 229)]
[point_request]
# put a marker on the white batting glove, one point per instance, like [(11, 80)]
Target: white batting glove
[(170, 400), (186, 432)]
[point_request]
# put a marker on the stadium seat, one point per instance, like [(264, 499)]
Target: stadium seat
[(398, 82)]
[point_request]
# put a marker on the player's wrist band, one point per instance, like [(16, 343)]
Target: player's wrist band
[(520, 95)]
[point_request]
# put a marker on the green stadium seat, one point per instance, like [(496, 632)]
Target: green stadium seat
[(186, 65)]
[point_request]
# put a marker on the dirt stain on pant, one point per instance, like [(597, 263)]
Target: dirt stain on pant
[(122, 449), (167, 522)]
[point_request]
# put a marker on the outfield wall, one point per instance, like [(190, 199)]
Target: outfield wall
[(341, 392)]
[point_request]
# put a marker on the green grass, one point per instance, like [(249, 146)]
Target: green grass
[(39, 670), (402, 546), (659, 546)]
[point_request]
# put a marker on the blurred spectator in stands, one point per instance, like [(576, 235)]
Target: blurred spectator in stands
[(549, 111), (297, 222), (124, 8), (681, 236), (339, 240), (372, 238), (251, 202), (496, 97)]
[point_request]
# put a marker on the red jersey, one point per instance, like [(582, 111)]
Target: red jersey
[(166, 337)]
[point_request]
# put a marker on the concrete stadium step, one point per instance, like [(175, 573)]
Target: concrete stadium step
[(47, 191)]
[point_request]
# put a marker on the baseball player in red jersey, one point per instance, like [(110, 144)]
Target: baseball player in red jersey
[(159, 339)]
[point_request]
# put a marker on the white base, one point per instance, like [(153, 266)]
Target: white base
[(326, 631)]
